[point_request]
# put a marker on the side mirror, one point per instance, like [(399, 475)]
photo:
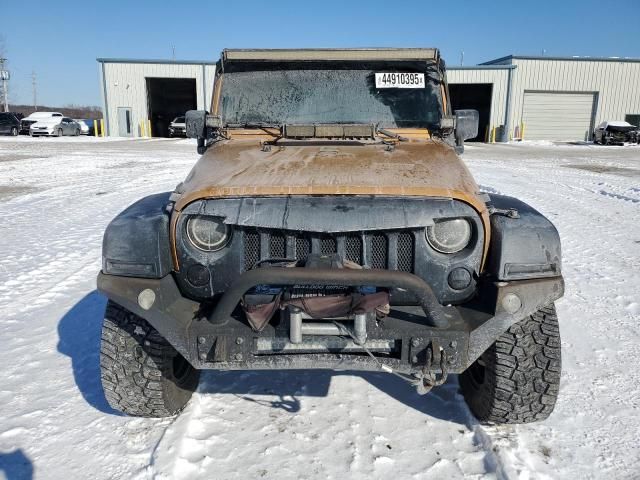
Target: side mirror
[(196, 121), (467, 122), (199, 124)]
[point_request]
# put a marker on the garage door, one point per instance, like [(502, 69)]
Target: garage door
[(557, 116)]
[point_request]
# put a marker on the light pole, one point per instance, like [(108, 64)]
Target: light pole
[(35, 91), (4, 76)]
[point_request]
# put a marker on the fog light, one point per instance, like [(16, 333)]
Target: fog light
[(511, 303), (198, 275), (459, 278), (146, 298)]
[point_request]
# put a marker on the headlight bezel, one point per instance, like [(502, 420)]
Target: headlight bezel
[(200, 244), (440, 245)]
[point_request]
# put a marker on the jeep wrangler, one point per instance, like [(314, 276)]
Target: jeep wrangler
[(331, 224)]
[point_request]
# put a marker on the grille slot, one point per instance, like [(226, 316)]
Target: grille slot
[(379, 244), (406, 252), (277, 246), (303, 247), (353, 249), (251, 249), (388, 249), (328, 245)]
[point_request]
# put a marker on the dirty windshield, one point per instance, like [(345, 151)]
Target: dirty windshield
[(387, 94)]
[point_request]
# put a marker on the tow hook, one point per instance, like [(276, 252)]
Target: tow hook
[(426, 379)]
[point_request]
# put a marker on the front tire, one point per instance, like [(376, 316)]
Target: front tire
[(517, 379), (142, 374), (14, 132)]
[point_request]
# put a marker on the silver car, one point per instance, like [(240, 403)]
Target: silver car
[(54, 127)]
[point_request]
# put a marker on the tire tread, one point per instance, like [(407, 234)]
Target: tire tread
[(136, 365), (522, 373)]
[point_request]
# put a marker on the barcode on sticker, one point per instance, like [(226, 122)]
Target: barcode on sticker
[(399, 80)]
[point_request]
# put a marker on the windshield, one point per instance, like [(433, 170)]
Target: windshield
[(178, 120), (330, 93)]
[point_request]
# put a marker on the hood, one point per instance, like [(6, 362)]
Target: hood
[(240, 168), (619, 126)]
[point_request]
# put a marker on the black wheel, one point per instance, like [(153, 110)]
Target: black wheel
[(142, 374), (77, 132), (59, 132), (14, 132), (517, 379)]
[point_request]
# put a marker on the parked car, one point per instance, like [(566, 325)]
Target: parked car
[(616, 133), (85, 129), (319, 233), (178, 128), (9, 124), (54, 127), (26, 122)]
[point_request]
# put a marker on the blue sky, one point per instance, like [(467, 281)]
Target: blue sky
[(61, 40)]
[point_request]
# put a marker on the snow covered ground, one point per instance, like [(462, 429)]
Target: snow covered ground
[(58, 195)]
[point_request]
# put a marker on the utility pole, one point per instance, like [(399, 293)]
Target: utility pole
[(173, 52), (462, 58), (35, 91), (4, 75)]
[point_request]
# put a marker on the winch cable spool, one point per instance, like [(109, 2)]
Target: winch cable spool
[(423, 381)]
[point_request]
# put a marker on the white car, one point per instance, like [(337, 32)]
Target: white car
[(54, 127), (84, 128), (178, 127), (26, 122)]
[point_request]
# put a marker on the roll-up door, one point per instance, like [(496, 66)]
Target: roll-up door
[(557, 116)]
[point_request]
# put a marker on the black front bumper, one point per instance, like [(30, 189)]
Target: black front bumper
[(217, 336)]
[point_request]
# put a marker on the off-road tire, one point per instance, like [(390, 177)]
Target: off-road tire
[(517, 379), (142, 374)]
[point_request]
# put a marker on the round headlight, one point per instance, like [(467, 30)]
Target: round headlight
[(449, 236), (207, 233)]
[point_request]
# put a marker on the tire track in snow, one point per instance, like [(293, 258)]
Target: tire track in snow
[(597, 235), (269, 424)]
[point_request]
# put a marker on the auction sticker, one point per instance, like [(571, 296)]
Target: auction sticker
[(399, 80)]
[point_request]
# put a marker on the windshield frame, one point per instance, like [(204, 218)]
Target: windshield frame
[(433, 70)]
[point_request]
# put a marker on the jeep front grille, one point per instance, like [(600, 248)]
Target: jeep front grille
[(394, 250)]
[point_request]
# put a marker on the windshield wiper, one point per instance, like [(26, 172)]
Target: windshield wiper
[(260, 125), (388, 133)]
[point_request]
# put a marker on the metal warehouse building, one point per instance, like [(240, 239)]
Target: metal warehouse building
[(535, 98)]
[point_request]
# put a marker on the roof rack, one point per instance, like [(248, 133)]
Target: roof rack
[(329, 54)]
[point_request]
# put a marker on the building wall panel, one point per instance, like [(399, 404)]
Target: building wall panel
[(125, 85), (617, 84)]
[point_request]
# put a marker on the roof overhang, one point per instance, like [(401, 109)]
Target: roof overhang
[(338, 54)]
